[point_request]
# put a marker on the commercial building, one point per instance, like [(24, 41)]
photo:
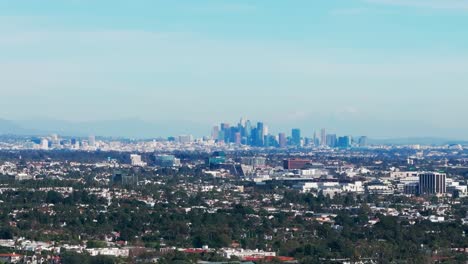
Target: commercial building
[(296, 164), (283, 141), (185, 139), (256, 162), (331, 140), (363, 141), (215, 133), (344, 142), (136, 160), (432, 183), (323, 137), (296, 137), (167, 161)]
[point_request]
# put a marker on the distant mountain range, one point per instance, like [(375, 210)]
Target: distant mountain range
[(417, 141), (139, 129), (128, 128)]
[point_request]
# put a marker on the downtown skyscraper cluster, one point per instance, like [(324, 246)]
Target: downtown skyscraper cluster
[(257, 135), (244, 133)]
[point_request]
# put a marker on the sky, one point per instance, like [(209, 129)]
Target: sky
[(383, 68)]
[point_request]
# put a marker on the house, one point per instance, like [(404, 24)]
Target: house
[(10, 258)]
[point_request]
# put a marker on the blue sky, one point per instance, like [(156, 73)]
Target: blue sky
[(385, 68)]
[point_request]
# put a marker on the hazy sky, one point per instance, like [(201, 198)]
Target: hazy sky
[(377, 67)]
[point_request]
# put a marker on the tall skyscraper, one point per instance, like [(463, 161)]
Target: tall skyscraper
[(238, 138), (265, 131), (248, 130), (331, 140), (363, 141), (296, 136), (92, 141), (226, 129), (282, 140), (44, 144), (316, 140), (215, 133), (260, 135), (242, 122), (323, 137)]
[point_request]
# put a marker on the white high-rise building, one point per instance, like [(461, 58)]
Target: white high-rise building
[(92, 141), (44, 144), (323, 137), (136, 160), (243, 122), (265, 131)]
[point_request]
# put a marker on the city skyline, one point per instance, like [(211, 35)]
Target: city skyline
[(345, 66), (233, 131), (222, 133), (139, 129)]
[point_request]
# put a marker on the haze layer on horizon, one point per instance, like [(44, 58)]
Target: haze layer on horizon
[(383, 68)]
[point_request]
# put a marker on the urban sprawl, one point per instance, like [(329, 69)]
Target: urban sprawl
[(240, 195)]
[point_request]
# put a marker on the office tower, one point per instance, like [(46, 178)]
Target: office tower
[(237, 138), (296, 136), (323, 137), (253, 137), (232, 134), (241, 127), (221, 136), (271, 141), (44, 144), (167, 161), (242, 122), (316, 140), (224, 126), (54, 138), (215, 133), (432, 183), (267, 141), (54, 141), (92, 141), (296, 164), (256, 162), (121, 178), (282, 140), (185, 139), (344, 142), (260, 135), (331, 140), (226, 129), (248, 132), (217, 158), (363, 141), (136, 160)]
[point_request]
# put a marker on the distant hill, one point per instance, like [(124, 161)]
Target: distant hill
[(128, 128), (416, 141), (11, 127)]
